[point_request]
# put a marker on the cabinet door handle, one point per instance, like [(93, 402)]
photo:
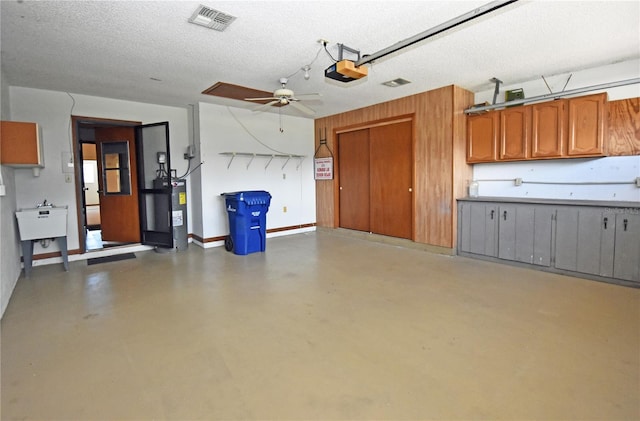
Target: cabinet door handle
[(605, 222), (504, 215), (492, 212), (625, 224)]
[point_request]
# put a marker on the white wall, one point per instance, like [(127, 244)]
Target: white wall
[(608, 169), (224, 129), (52, 111), (9, 244)]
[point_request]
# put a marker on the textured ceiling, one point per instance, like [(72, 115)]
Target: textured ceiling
[(147, 51)]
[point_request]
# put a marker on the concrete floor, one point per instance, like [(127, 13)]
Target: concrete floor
[(321, 326)]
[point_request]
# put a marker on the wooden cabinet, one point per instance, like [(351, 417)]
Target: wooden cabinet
[(482, 137), (548, 129), (563, 128), (590, 240), (515, 133), (622, 137), (20, 144), (587, 125)]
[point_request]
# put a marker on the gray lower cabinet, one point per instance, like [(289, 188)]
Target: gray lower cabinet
[(584, 239), (626, 262), (480, 228), (524, 233)]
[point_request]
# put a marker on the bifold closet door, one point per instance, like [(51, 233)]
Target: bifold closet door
[(391, 188), (353, 155)]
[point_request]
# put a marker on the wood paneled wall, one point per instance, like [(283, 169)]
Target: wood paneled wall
[(624, 127), (440, 168)]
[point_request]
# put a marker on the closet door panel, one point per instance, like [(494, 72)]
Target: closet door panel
[(391, 157), (353, 153)]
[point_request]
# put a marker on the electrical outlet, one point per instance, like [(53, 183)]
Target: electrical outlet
[(284, 209), (284, 176)]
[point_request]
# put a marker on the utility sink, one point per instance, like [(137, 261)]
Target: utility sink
[(42, 222)]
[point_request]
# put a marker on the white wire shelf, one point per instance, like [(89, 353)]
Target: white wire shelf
[(270, 158)]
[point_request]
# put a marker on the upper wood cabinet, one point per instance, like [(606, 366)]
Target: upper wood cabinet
[(482, 137), (587, 125), (515, 133), (623, 133), (548, 131), (563, 128), (20, 144)]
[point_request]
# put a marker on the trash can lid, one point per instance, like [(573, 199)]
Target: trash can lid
[(253, 197)]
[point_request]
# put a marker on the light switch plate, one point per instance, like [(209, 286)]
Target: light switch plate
[(3, 190), (67, 163)]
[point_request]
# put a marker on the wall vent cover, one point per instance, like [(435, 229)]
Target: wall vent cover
[(211, 18)]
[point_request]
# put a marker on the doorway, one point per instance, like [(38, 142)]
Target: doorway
[(106, 176)]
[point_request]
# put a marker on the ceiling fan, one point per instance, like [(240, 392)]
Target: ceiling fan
[(284, 96)]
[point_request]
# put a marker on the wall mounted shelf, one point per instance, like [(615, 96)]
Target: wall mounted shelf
[(270, 157)]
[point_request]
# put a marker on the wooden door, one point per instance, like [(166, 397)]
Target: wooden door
[(482, 137), (353, 156), (117, 180), (548, 129), (391, 189), (586, 125), (515, 133)]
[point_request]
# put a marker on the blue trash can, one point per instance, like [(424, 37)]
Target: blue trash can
[(247, 221)]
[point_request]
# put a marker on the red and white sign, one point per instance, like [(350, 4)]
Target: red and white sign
[(323, 168)]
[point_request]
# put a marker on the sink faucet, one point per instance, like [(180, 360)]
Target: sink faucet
[(43, 204)]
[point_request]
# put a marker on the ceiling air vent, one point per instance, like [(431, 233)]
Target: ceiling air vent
[(396, 82), (211, 18)]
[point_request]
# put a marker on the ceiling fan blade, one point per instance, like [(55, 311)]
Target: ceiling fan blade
[(313, 95), (260, 99), (302, 108), (267, 105)]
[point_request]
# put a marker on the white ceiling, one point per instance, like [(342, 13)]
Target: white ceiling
[(116, 49)]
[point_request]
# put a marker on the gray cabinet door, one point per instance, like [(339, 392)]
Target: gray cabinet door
[(464, 226), (542, 234), (584, 240), (566, 256), (627, 246), (507, 232), (525, 233), (478, 223)]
